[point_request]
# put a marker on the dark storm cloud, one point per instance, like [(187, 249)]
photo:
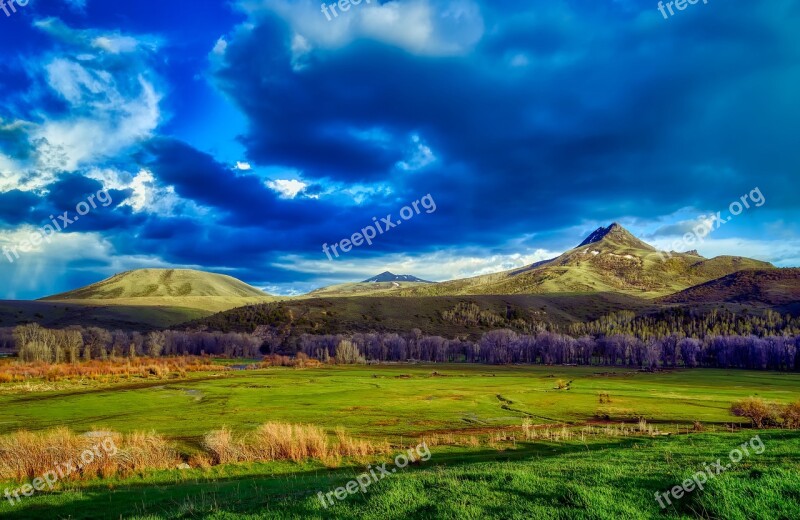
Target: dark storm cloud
[(614, 113), (563, 115), (16, 207)]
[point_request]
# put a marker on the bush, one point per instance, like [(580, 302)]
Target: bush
[(756, 409), (791, 415)]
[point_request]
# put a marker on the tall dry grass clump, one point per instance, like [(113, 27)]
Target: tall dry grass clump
[(222, 447), (141, 451), (27, 455), (281, 441), (350, 447)]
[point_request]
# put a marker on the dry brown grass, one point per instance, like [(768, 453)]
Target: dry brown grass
[(221, 446), (28, 455), (159, 368), (143, 451), (283, 441)]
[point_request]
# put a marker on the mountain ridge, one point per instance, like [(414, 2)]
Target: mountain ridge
[(610, 259)]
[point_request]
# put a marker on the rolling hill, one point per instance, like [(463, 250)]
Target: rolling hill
[(156, 297), (386, 313), (157, 283), (611, 259), (777, 288)]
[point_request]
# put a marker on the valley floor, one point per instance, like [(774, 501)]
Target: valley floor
[(595, 476)]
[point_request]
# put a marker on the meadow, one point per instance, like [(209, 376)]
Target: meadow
[(506, 473)]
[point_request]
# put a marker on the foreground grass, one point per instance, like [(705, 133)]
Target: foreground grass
[(602, 479)]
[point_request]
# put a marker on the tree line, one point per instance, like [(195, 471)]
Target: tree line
[(502, 346), (35, 343)]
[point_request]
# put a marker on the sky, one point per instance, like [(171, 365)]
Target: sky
[(240, 136)]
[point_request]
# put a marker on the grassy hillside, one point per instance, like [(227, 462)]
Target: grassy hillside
[(773, 287), (614, 261), (139, 299), (396, 314), (88, 314), (157, 283)]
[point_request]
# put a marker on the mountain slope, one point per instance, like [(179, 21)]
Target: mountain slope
[(163, 296), (611, 259), (772, 287), (154, 283)]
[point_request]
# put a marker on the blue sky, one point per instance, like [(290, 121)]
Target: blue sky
[(239, 136)]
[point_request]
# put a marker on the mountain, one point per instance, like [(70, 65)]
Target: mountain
[(384, 284), (610, 259), (155, 283), (772, 287), (386, 276), (157, 297), (618, 235)]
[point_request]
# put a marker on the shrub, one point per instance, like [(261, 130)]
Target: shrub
[(756, 409), (791, 415)]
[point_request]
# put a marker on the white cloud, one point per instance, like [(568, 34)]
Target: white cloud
[(112, 100), (220, 47), (148, 196), (109, 126), (435, 266), (288, 188), (244, 166), (421, 156), (116, 44), (425, 27)]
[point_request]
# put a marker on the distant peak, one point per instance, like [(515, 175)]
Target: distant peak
[(387, 276)]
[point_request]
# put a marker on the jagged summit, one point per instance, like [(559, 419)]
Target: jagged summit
[(618, 235), (386, 276)]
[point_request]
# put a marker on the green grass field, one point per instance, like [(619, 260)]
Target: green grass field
[(600, 478)]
